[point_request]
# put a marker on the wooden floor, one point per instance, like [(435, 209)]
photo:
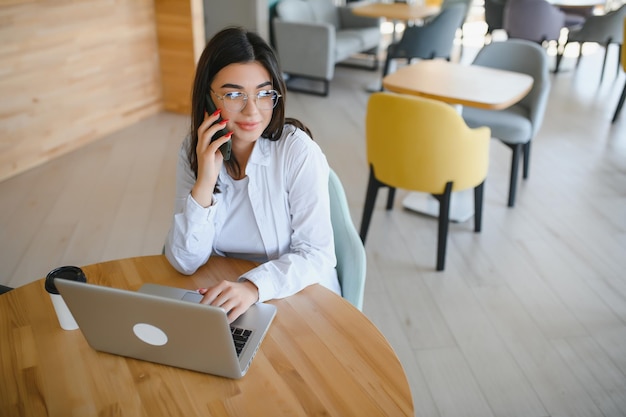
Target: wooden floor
[(529, 317)]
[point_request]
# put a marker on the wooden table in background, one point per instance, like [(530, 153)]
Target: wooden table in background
[(466, 85), (461, 85), (321, 356), (396, 11)]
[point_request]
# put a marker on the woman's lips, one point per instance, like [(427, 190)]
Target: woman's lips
[(248, 126)]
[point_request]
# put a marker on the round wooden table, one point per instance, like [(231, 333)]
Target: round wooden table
[(321, 356)]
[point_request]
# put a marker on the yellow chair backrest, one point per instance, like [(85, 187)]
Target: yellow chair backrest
[(420, 144)]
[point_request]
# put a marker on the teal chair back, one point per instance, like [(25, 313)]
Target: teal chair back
[(349, 250)]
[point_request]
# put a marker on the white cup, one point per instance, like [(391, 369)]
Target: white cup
[(74, 273), (66, 320)]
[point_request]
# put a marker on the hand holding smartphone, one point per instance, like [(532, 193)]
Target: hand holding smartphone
[(226, 147)]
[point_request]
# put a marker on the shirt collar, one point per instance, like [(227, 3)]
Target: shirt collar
[(261, 152)]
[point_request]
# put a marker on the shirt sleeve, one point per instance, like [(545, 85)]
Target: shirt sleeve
[(190, 238)]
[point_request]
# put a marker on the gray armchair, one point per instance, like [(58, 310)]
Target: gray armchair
[(312, 36), (533, 20), (468, 7), (604, 29), (517, 125), (432, 40)]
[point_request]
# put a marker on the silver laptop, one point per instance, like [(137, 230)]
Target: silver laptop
[(167, 325)]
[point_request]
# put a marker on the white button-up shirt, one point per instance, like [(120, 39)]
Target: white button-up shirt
[(288, 189)]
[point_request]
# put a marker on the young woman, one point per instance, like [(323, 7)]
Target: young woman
[(269, 201)]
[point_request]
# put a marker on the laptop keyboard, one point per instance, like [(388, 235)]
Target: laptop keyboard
[(240, 338)]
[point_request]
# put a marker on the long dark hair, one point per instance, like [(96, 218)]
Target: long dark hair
[(229, 46)]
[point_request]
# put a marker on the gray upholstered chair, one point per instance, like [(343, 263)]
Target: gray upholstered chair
[(603, 29), (534, 20), (517, 125), (312, 36), (432, 40), (468, 6)]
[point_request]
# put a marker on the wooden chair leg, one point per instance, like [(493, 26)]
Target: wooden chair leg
[(370, 199), (444, 222), (478, 206), (620, 103)]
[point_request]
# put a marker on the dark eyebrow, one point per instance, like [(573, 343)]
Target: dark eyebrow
[(240, 87)]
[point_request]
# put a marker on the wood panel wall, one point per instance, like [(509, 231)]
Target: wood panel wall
[(181, 37), (72, 72)]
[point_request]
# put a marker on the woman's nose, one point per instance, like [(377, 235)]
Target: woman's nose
[(251, 106)]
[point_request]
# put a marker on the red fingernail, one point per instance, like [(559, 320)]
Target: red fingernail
[(223, 122), (216, 112), (228, 135)]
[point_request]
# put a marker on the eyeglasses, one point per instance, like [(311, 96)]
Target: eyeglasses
[(235, 101)]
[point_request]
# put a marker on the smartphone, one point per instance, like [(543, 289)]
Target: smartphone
[(226, 147)]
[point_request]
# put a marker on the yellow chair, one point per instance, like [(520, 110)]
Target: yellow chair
[(423, 145), (623, 96)]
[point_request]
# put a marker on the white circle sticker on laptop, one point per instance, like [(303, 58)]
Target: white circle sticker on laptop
[(150, 334)]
